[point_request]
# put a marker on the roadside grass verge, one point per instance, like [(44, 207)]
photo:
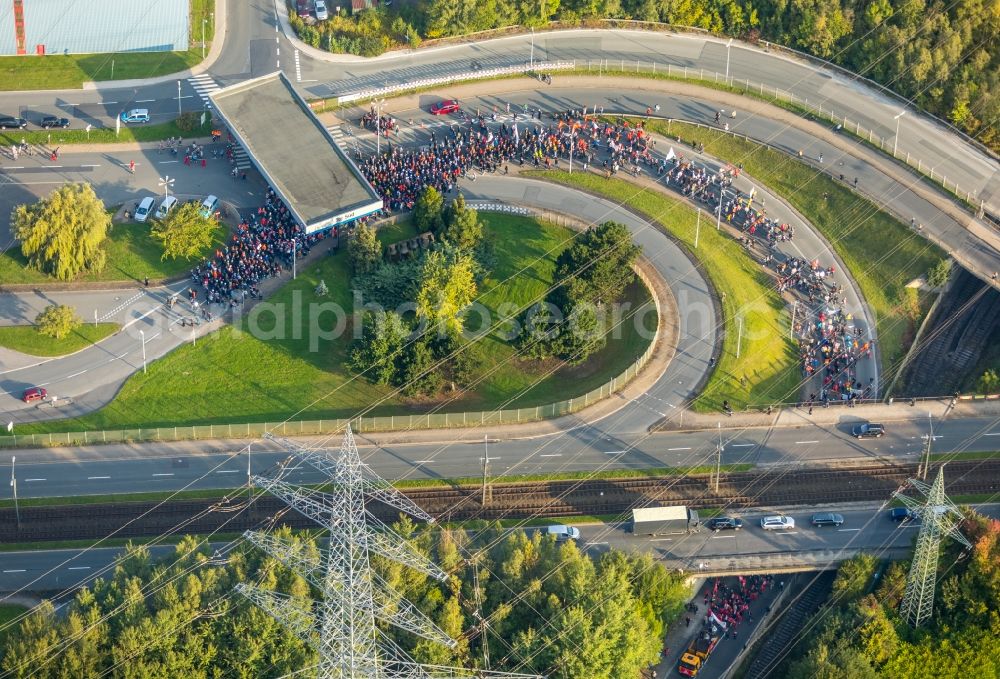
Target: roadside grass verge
[(27, 340), (103, 135), (57, 71), (881, 254), (767, 359), (132, 254), (971, 455), (9, 613), (285, 370)]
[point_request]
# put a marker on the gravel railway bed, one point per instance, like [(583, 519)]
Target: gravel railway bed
[(737, 490)]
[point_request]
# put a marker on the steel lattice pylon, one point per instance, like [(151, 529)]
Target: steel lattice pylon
[(939, 517), (342, 626)]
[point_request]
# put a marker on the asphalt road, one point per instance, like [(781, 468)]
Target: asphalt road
[(159, 467), (865, 529)]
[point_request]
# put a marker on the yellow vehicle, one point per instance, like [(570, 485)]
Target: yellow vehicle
[(697, 653)]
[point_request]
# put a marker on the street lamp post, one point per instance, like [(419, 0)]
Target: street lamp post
[(203, 22), (728, 46), (377, 103), (142, 335), (895, 141), (532, 48), (13, 484)]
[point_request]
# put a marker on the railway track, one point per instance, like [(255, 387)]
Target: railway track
[(737, 491)]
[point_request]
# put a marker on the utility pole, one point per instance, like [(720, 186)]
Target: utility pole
[(142, 335), (925, 465), (487, 488), (939, 517), (13, 484), (179, 97)]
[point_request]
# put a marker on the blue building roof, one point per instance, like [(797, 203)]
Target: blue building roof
[(94, 26)]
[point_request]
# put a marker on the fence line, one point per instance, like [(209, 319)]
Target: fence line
[(382, 423)]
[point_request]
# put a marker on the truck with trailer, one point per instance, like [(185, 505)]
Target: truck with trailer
[(697, 653), (665, 520)]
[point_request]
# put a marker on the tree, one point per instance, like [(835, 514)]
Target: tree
[(580, 336), (989, 382), (939, 274), (462, 227), (420, 374), (446, 287), (57, 321), (377, 354), (427, 212), (364, 249), (63, 234), (598, 266), (185, 233)]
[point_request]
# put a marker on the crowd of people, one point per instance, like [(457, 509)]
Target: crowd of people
[(728, 605), (260, 247)]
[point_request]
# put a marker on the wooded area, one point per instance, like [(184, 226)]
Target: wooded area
[(550, 610), (859, 634), (943, 55)]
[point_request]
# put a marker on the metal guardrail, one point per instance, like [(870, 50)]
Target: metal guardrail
[(481, 74), (360, 424)]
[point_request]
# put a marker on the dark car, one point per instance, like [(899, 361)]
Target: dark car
[(32, 394), (868, 430), (827, 519), (445, 107), (12, 123), (901, 514), (49, 122), (725, 523)]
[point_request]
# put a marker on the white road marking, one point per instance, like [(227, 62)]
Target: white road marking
[(167, 474), (992, 433), (229, 471), (15, 570), (742, 445), (76, 374), (90, 166), (144, 101), (167, 162), (792, 532), (614, 452), (802, 442), (719, 537), (30, 480), (422, 461), (21, 167), (294, 468), (79, 568), (97, 478), (848, 530), (661, 540), (551, 455), (55, 166), (670, 450), (106, 103), (597, 543)]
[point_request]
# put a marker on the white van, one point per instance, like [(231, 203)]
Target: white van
[(322, 14), (136, 115), (209, 206), (563, 533), (165, 207), (145, 207)]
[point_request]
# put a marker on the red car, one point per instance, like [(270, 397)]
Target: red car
[(445, 107), (32, 394)]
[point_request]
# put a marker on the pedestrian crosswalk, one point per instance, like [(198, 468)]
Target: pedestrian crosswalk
[(240, 157), (204, 85), (338, 135)]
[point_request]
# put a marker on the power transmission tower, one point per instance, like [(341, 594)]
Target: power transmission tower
[(342, 626), (939, 517)]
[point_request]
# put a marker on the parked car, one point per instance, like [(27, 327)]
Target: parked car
[(12, 123), (209, 206), (165, 207), (563, 533), (827, 519), (445, 107), (725, 523), (145, 207), (777, 522), (49, 122), (901, 514), (303, 7), (322, 14), (868, 430), (32, 394), (136, 115)]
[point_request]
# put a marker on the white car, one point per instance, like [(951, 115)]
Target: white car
[(145, 207), (209, 206), (322, 14), (779, 522), (165, 207), (563, 533)]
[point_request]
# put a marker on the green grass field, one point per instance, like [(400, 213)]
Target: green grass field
[(27, 340), (881, 254), (56, 71), (9, 612), (277, 373), (106, 135), (767, 358), (133, 254)]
